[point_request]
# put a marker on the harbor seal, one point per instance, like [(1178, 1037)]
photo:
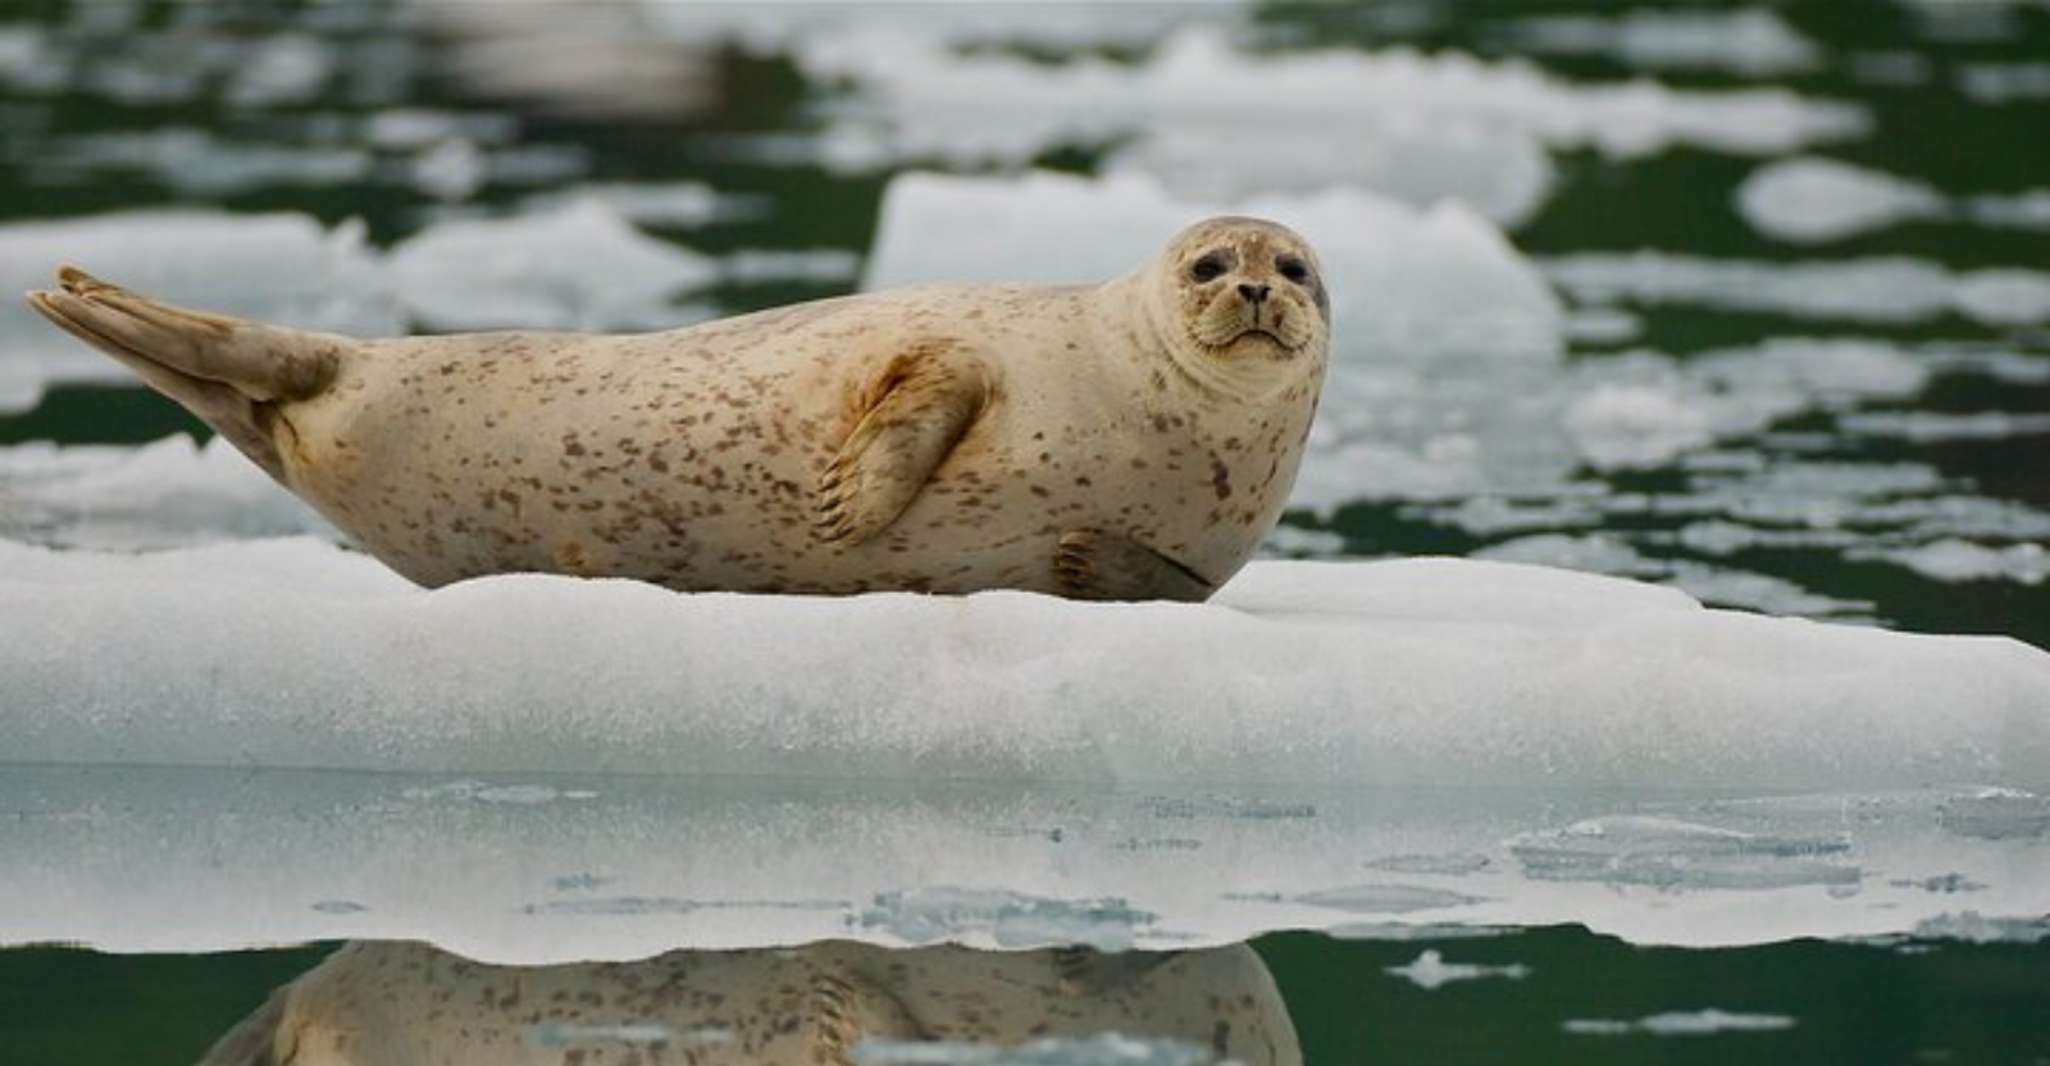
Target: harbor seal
[(391, 1003), (1129, 440)]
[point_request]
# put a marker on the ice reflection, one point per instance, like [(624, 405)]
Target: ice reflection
[(397, 1003)]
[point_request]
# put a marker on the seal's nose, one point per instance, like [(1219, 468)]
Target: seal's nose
[(1255, 293)]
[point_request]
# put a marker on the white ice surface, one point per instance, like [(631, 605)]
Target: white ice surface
[(1428, 671), (1808, 200), (1753, 42), (169, 493), (1879, 290), (1417, 126), (1405, 283)]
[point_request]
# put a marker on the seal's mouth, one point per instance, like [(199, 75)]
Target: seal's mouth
[(1260, 333)]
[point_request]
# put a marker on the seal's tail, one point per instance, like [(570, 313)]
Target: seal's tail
[(230, 372)]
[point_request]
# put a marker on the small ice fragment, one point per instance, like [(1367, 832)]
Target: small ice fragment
[(1386, 899), (1430, 971), (339, 906), (1681, 1023), (1672, 854)]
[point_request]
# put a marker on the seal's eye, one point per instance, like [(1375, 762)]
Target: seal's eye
[(1293, 269), (1207, 268)]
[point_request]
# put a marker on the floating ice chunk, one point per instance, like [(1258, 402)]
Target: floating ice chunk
[(1748, 41), (1421, 671), (284, 68), (1103, 1049), (1622, 426), (1998, 814), (1012, 920), (168, 494), (416, 128), (1429, 971), (1413, 160), (1672, 854), (1605, 554), (199, 164), (2002, 83), (1405, 284), (277, 267), (1386, 899), (2024, 210), (1761, 592), (1888, 290), (814, 265), (1810, 200), (1951, 559), (1404, 932), (580, 267), (769, 29), (678, 204), (1681, 1023), (1419, 120), (1975, 928)]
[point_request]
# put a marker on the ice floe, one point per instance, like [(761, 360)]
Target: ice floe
[(1669, 853), (1420, 126), (1430, 971), (1406, 283), (1421, 671), (579, 267), (1880, 290), (2002, 83), (1754, 42), (1952, 559), (1706, 1022), (1809, 200)]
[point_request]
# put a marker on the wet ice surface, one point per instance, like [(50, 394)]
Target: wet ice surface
[(162, 859)]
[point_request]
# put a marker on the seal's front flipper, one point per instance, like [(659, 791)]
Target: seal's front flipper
[(1090, 565), (225, 370), (911, 417)]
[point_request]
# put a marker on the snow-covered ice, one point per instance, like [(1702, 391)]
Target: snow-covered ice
[(1423, 671)]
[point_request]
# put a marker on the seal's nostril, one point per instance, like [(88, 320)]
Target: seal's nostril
[(1255, 293)]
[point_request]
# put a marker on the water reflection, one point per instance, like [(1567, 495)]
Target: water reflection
[(397, 1003)]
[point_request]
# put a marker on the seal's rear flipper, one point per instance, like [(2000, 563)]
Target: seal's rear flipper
[(227, 371)]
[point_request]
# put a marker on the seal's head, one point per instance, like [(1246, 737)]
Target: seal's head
[(1229, 292)]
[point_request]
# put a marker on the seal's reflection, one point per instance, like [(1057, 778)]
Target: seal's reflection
[(394, 1003)]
